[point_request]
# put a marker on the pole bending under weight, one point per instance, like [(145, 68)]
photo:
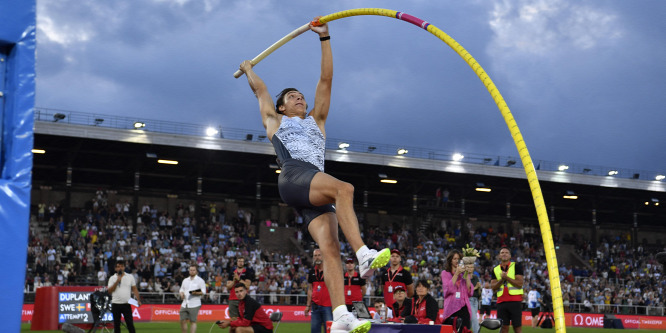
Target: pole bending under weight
[(525, 158)]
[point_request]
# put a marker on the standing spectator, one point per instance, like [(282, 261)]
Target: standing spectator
[(101, 276), (508, 282), (457, 288), (287, 286), (241, 274), (318, 298), (37, 283), (354, 285), (51, 257), (486, 301), (120, 286), (272, 291), (395, 276), (41, 208), (369, 293), (474, 301), (534, 304), (191, 290), (252, 319)]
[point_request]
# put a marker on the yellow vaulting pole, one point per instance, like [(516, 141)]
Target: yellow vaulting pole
[(537, 196)]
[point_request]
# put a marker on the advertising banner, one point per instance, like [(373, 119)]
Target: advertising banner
[(643, 322), (293, 313)]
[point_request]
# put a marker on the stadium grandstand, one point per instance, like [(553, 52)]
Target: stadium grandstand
[(164, 194)]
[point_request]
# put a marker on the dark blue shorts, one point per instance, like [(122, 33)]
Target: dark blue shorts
[(294, 186)]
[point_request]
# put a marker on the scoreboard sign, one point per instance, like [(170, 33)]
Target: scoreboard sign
[(74, 308)]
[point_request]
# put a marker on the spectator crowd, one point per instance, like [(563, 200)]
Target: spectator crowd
[(159, 246)]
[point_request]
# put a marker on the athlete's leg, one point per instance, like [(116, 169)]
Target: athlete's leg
[(324, 231), (326, 189)]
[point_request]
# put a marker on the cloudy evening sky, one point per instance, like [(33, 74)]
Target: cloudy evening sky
[(585, 80)]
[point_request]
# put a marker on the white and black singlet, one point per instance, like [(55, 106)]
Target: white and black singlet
[(300, 148)]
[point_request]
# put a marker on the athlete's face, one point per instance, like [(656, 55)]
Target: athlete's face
[(294, 102)]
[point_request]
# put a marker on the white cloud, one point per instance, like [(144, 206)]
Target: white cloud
[(540, 27), (62, 34)]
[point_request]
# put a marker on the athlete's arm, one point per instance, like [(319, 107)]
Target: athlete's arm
[(323, 93), (268, 115)]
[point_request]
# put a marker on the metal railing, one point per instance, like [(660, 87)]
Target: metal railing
[(172, 127), (617, 309)]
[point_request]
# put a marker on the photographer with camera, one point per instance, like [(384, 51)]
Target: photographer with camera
[(120, 286), (191, 290)]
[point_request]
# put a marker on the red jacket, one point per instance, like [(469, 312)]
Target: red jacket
[(424, 311), (251, 313)]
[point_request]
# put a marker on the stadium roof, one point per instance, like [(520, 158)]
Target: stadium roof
[(110, 157)]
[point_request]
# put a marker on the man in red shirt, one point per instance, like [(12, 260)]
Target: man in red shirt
[(242, 274), (252, 319), (508, 282), (354, 285), (396, 276), (318, 299)]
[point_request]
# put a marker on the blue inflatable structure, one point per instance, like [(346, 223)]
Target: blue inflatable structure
[(17, 100)]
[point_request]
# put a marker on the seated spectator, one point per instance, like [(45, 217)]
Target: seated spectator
[(401, 302), (380, 308), (424, 308)]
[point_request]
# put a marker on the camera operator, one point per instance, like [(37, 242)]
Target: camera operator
[(546, 300), (546, 316), (120, 286)]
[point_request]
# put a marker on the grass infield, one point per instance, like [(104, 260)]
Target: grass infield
[(205, 327)]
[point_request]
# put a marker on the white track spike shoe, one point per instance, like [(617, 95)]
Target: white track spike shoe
[(373, 260), (347, 323)]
